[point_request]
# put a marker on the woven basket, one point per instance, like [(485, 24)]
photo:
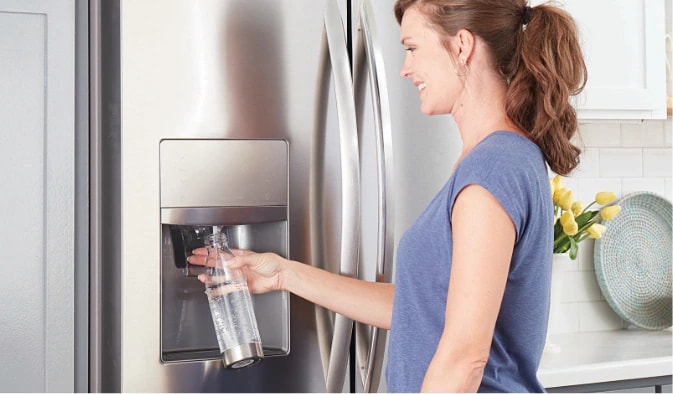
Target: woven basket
[(633, 261)]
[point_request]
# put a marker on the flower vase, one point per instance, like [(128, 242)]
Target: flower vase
[(559, 261)]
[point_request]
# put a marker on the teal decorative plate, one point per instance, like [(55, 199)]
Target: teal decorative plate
[(633, 261)]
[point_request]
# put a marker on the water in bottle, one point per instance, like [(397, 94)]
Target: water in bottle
[(231, 307)]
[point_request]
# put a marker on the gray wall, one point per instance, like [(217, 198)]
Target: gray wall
[(37, 159)]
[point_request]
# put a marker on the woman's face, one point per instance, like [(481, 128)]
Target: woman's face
[(428, 64)]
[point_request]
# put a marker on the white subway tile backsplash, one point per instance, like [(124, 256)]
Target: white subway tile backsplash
[(598, 135), (587, 188), (588, 289), (623, 158), (647, 133), (657, 162), (589, 164), (654, 185), (579, 286), (598, 316), (568, 319), (621, 162)]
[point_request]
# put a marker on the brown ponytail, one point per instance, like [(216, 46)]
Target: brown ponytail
[(537, 52), (545, 71)]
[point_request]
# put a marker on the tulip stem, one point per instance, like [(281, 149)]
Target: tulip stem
[(563, 243), (588, 206)]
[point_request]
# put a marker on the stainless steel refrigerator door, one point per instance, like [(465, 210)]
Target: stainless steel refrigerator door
[(210, 69), (426, 147)]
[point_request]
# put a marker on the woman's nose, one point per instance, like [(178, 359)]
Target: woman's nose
[(405, 71)]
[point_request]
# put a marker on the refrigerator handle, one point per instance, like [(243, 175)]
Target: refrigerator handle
[(335, 56), (370, 341)]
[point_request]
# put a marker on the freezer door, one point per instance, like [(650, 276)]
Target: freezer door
[(375, 136), (216, 70), (334, 238)]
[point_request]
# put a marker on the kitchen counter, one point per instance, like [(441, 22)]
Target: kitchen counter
[(606, 360)]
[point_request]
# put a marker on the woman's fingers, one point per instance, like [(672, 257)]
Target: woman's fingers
[(196, 259), (199, 255), (200, 251)]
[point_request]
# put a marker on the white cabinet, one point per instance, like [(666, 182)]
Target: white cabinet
[(624, 49), (37, 142)]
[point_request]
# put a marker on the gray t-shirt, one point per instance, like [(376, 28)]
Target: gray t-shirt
[(513, 170)]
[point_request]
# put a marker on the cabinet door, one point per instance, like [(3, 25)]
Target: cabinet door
[(36, 203), (624, 49)]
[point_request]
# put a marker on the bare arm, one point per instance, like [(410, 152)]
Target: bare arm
[(366, 302), (483, 241)]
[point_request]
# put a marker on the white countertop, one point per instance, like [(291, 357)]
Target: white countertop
[(606, 356)]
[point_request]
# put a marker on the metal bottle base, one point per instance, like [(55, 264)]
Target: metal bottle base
[(243, 355)]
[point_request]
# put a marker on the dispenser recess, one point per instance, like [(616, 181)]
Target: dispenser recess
[(240, 188)]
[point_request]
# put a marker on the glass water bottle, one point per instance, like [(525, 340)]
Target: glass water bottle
[(231, 307)]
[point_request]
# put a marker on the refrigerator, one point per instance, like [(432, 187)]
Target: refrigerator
[(283, 124)]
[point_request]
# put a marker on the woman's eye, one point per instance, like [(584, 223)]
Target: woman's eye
[(410, 50)]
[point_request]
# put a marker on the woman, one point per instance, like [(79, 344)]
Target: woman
[(468, 310)]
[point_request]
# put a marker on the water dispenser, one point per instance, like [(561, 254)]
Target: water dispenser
[(235, 187)]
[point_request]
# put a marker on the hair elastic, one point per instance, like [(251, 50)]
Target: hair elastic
[(526, 16)]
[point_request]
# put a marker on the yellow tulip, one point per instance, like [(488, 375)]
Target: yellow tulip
[(566, 218), (610, 212), (568, 223), (596, 230), (555, 183), (566, 200), (570, 228), (605, 197), (577, 207), (558, 193)]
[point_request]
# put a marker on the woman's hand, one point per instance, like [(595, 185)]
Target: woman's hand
[(263, 271), (366, 302)]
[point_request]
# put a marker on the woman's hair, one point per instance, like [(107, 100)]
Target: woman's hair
[(537, 51)]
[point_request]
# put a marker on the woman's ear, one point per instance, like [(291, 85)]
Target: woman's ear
[(464, 41)]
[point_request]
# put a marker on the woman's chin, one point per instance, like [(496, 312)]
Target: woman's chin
[(427, 111), (431, 111)]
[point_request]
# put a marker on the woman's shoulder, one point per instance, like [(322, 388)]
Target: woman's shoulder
[(502, 157)]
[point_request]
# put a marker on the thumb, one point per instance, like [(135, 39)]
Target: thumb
[(241, 260), (265, 264), (241, 252)]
